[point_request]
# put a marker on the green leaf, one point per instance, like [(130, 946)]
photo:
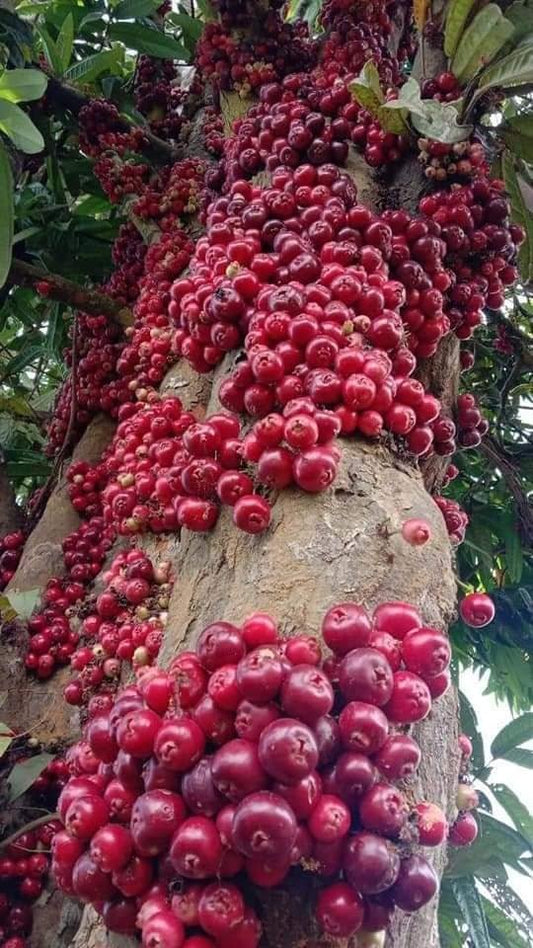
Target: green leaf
[(147, 40), (89, 69), (190, 26), (514, 807), (514, 71), (520, 13), (517, 732), (50, 50), (366, 89), (469, 901), (65, 41), (25, 773), (440, 122), (501, 926), (520, 756), (469, 723), (307, 10), (520, 214), (24, 602), (6, 214), (132, 9), (486, 35), (22, 85), (6, 737), (457, 16), (19, 128)]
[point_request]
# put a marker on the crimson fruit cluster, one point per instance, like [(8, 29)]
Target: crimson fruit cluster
[(11, 547), (250, 756)]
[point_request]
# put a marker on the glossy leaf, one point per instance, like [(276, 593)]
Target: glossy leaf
[(132, 9), (19, 128), (514, 71), (147, 40)]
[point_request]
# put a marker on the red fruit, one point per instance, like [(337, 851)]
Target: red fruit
[(371, 863), (259, 675), (89, 882), (354, 774), (340, 910), (464, 831), (431, 824), (363, 727), (330, 819), (220, 909), (416, 884), (76, 787), (111, 847), (416, 532), (155, 816), (327, 734), (134, 878), (236, 770), (179, 744), (302, 796), (399, 757), (137, 731), (264, 827), (244, 935), (85, 816), (346, 627), (252, 514), (365, 675), (388, 646), (220, 644), (259, 629), (302, 650), (223, 689), (465, 746), (384, 810), (196, 848), (410, 700), (477, 610), (315, 469), (288, 750), (199, 791), (439, 684), (306, 693), (251, 719), (163, 930), (426, 652), (396, 618), (120, 916)]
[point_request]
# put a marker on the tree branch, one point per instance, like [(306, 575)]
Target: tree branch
[(499, 458), (68, 99), (66, 291)]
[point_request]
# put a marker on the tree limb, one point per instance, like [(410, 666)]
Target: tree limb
[(499, 458), (66, 291)]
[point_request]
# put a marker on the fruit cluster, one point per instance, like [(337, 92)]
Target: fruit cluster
[(126, 623), (455, 518), (460, 162), (176, 192), (11, 547), (443, 88), (250, 757), (158, 96), (464, 829)]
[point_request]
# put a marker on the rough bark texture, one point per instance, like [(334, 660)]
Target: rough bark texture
[(10, 515)]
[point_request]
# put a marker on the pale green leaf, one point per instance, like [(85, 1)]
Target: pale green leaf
[(89, 69), (6, 214), (366, 89), (476, 40), (19, 128), (65, 41), (456, 18), (519, 813), (6, 737), (514, 71), (22, 85), (440, 122), (24, 602)]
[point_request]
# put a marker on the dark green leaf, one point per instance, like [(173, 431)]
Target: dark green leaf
[(457, 15), (65, 41), (470, 726), (471, 905), (25, 773), (502, 926), (133, 9), (6, 214), (512, 735), (520, 756), (514, 807), (146, 40), (520, 214), (19, 127), (50, 50)]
